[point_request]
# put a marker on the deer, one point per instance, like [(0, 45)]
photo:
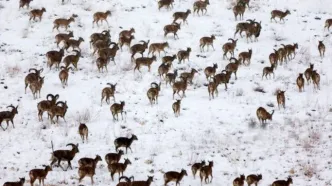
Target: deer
[(206, 41), (126, 33), (118, 168), (283, 182), (239, 181), (281, 98), (124, 142), (189, 75), (72, 59), (143, 183), (200, 6), (246, 2), (86, 171), (8, 116), (176, 106), (308, 72), (210, 71), (117, 108), (223, 77), (315, 79), (245, 57), (33, 76), (181, 15), (36, 86), (62, 22), (239, 9), (100, 16), (268, 71), (39, 174), (197, 167), (127, 182), (46, 105), (108, 92), (17, 183), (89, 162), (279, 14), (300, 82), (104, 35), (109, 52), (321, 49), (254, 30), (144, 61), (229, 47), (158, 47), (282, 54), (83, 131), (253, 179), (170, 77), (125, 41), (168, 59), (54, 58), (163, 69), (75, 44), (233, 67), (184, 54), (213, 88), (24, 3), (274, 58), (290, 49), (180, 86), (263, 115), (243, 26), (328, 24), (102, 63), (174, 176), (64, 155), (111, 158), (139, 48), (205, 172), (153, 93), (165, 3), (37, 13), (63, 37), (63, 75), (172, 28), (58, 111), (101, 44)]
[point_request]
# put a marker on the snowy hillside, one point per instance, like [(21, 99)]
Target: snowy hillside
[(225, 130)]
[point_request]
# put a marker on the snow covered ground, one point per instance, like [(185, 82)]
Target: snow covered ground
[(296, 143)]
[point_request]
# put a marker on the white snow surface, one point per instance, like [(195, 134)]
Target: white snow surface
[(297, 142)]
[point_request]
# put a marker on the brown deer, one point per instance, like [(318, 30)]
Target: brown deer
[(8, 116), (118, 168), (111, 158), (239, 9), (86, 172), (280, 14), (102, 63), (268, 71), (127, 33), (83, 131), (283, 182), (170, 77), (180, 86), (239, 181), (58, 111), (72, 59), (263, 115), (308, 72), (153, 93), (75, 44), (32, 77), (108, 92), (181, 15), (184, 54), (200, 6), (46, 105), (24, 3), (229, 47), (290, 49), (274, 57), (245, 57), (168, 59), (243, 26), (321, 49), (281, 98), (176, 106), (253, 30), (233, 67), (109, 53), (64, 155), (300, 82), (62, 22), (139, 48), (124, 142), (39, 174), (37, 13), (213, 88), (205, 172), (210, 71), (253, 179), (197, 167), (189, 75), (315, 79), (125, 41), (165, 3), (174, 176), (223, 77), (328, 24), (17, 183), (100, 16), (63, 76), (206, 41), (172, 28), (158, 47), (36, 86), (104, 36), (63, 37), (54, 58), (117, 108), (163, 70), (282, 55), (144, 61)]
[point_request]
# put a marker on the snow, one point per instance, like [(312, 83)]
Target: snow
[(217, 130)]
